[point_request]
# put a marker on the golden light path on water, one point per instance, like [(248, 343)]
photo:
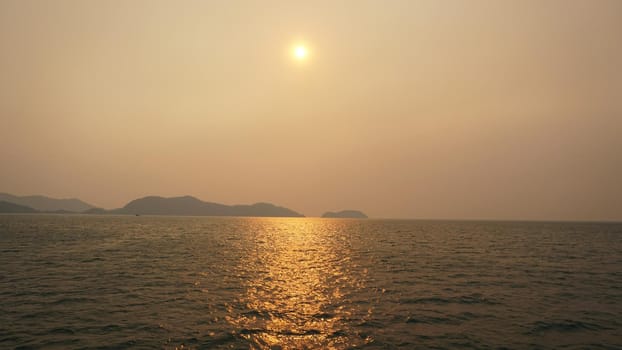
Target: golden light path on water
[(299, 286)]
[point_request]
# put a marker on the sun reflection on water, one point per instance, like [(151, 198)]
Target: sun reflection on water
[(296, 296)]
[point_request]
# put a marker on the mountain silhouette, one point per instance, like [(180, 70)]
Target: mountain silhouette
[(43, 203), (188, 205), (353, 214), (8, 207)]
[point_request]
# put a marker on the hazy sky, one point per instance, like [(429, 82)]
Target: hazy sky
[(422, 109)]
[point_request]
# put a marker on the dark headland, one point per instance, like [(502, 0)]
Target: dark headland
[(351, 214), (188, 205), (12, 208), (151, 205), (47, 204), (154, 205)]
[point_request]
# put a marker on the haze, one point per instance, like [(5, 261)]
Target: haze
[(412, 109)]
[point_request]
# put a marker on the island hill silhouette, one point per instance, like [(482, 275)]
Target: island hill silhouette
[(150, 205), (47, 204), (12, 208), (188, 205), (154, 205), (345, 214)]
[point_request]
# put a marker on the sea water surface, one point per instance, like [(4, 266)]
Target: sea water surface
[(114, 282)]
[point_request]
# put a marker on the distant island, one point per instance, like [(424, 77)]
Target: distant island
[(351, 214), (47, 204), (151, 205), (154, 205), (188, 205), (8, 207)]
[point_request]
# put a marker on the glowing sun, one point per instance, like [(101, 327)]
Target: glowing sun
[(300, 52)]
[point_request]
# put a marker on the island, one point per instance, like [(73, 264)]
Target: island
[(12, 208), (188, 205), (150, 205), (348, 214), (47, 204)]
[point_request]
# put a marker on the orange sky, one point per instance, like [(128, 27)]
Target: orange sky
[(415, 109)]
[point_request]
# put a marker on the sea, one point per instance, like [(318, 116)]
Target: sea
[(155, 282)]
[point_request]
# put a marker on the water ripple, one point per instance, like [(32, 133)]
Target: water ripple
[(110, 282)]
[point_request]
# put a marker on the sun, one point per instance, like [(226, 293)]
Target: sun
[(300, 52)]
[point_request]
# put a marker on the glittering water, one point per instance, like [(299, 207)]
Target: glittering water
[(196, 282)]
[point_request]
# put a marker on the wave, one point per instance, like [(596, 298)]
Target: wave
[(540, 327)]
